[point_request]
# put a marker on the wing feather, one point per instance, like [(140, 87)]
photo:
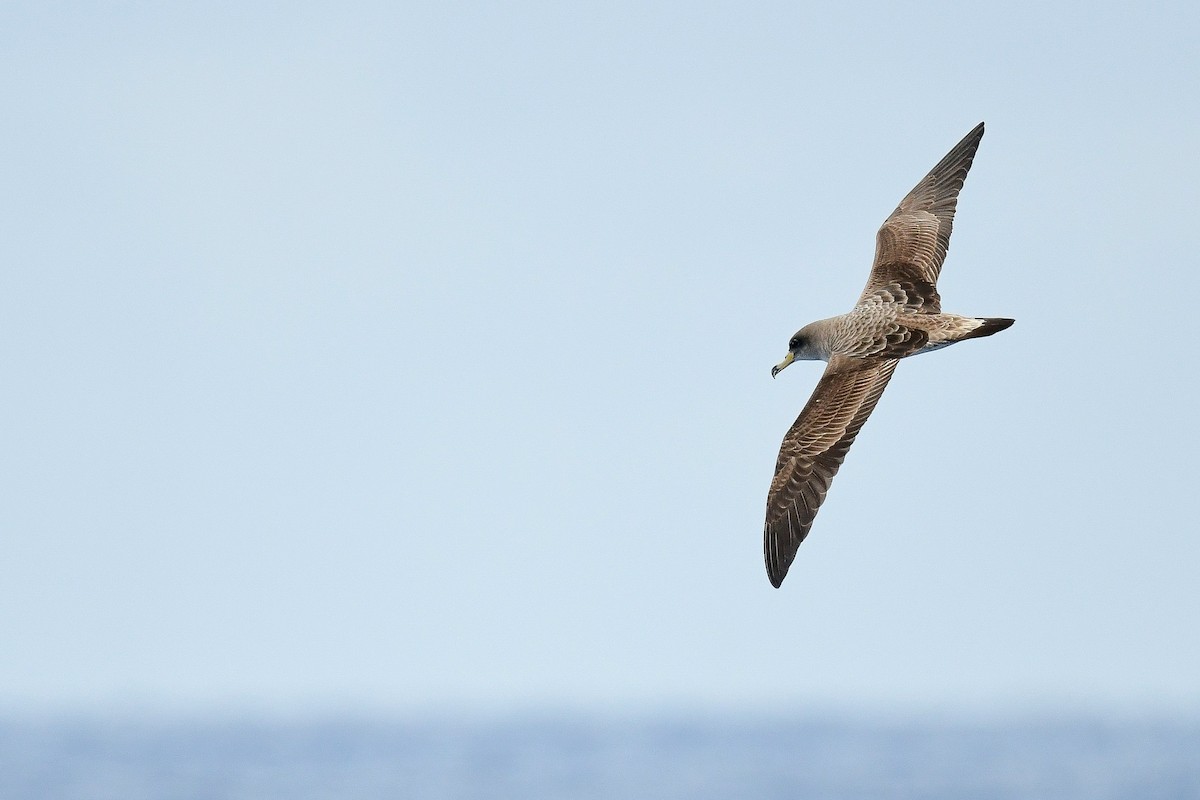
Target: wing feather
[(912, 243), (813, 450)]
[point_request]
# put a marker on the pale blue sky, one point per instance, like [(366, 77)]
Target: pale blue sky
[(404, 356)]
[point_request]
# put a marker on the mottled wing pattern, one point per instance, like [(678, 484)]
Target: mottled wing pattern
[(879, 337), (912, 244), (814, 449)]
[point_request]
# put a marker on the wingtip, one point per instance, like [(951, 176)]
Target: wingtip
[(776, 562), (776, 571)]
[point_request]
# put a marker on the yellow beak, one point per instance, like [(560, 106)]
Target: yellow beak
[(778, 368)]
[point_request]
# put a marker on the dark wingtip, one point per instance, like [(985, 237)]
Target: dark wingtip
[(777, 569), (972, 139), (775, 572)]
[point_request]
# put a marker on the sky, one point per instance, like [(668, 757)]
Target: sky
[(414, 357)]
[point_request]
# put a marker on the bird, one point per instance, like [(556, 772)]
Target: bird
[(898, 315)]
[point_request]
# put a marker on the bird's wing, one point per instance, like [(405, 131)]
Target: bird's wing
[(813, 450), (912, 244)]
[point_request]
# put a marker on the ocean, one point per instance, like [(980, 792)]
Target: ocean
[(569, 757)]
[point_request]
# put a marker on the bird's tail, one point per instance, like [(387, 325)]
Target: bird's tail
[(989, 326)]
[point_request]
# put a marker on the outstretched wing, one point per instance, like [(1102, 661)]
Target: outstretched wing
[(813, 450), (912, 244)]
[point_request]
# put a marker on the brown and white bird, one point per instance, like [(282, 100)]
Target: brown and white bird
[(898, 315)]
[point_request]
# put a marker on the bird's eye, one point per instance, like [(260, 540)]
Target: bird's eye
[(793, 344)]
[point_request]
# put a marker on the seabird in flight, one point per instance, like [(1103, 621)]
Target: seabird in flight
[(898, 315)]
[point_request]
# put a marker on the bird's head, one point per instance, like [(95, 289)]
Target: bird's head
[(801, 347)]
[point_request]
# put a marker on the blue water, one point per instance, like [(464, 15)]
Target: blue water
[(567, 758)]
